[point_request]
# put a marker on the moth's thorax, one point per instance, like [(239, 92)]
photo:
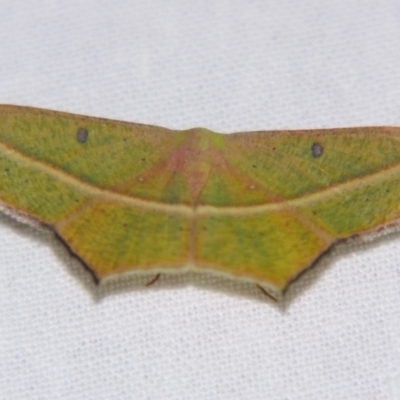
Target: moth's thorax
[(194, 157)]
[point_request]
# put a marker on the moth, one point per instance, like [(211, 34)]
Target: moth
[(260, 206)]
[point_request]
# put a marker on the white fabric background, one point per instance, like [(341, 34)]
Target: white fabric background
[(228, 66)]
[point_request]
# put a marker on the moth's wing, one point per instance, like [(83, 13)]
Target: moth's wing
[(103, 186), (283, 198), (116, 194)]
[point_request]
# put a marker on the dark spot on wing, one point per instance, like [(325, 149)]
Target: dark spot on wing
[(317, 150), (82, 135)]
